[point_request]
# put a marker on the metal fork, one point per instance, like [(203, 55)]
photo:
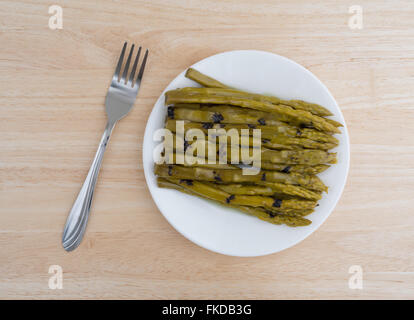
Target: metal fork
[(119, 101)]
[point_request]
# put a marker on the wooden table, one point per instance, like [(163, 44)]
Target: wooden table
[(52, 89)]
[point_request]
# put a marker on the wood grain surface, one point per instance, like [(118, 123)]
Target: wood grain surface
[(52, 89)]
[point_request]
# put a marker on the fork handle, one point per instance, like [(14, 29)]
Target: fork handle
[(78, 217)]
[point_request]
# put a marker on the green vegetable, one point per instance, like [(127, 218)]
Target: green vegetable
[(294, 143), (237, 176), (280, 142), (334, 123), (298, 168), (307, 157), (276, 141), (203, 79), (297, 104), (275, 218), (292, 190), (267, 131), (246, 189), (299, 156), (271, 188), (286, 168), (225, 114), (224, 96), (291, 218), (210, 191)]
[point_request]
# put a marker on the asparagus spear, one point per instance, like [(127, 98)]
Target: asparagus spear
[(292, 217), (283, 112), (297, 104), (270, 188), (276, 141), (305, 156), (234, 111), (317, 135), (236, 176), (268, 216), (267, 131), (280, 142), (257, 119), (292, 190), (210, 191), (310, 107), (195, 162), (224, 117), (299, 168), (333, 122), (292, 212), (203, 79), (246, 189)]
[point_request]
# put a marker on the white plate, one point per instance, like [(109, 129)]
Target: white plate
[(225, 230)]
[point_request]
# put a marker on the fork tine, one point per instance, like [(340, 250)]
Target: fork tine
[(134, 67), (124, 75), (121, 58), (141, 70)]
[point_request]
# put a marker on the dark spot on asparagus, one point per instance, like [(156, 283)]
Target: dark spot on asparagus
[(286, 169), (262, 121), (170, 112), (230, 198), (271, 214), (170, 170), (207, 125), (217, 178), (298, 133), (265, 140), (222, 125), (307, 125), (251, 126), (217, 117), (188, 182), (263, 177), (277, 203)]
